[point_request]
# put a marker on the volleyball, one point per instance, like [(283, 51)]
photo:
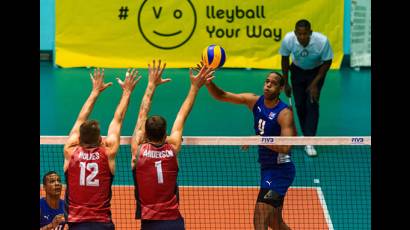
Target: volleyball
[(213, 56)]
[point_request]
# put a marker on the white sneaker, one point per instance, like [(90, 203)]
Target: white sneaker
[(310, 150)]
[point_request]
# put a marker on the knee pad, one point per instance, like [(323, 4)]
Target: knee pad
[(271, 197)]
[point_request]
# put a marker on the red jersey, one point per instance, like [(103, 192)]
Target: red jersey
[(89, 180), (156, 183)]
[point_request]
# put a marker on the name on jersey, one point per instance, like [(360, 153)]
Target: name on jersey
[(89, 156), (158, 154)]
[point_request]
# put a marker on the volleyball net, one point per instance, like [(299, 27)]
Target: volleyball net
[(219, 181)]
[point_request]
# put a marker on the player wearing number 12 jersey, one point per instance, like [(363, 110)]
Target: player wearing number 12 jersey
[(154, 156), (89, 160), (272, 117)]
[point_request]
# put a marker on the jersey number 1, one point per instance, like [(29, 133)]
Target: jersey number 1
[(93, 167), (159, 172)]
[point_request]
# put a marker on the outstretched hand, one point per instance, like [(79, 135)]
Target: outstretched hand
[(198, 69), (98, 80), (155, 74), (204, 75), (130, 81)]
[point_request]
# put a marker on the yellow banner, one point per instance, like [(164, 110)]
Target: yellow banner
[(125, 33)]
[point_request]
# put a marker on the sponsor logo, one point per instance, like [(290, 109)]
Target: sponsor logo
[(268, 140), (304, 53), (272, 115), (357, 140)]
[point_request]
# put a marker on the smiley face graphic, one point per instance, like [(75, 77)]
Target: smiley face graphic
[(167, 24)]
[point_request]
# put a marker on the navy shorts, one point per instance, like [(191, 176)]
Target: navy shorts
[(278, 178), (177, 224), (91, 225)]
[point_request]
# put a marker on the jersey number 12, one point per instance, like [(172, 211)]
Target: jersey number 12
[(93, 167)]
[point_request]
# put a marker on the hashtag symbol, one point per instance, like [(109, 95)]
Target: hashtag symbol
[(123, 13)]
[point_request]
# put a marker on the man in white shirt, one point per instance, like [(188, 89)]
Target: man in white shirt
[(311, 59)]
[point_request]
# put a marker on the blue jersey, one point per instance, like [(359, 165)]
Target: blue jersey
[(47, 214), (266, 124)]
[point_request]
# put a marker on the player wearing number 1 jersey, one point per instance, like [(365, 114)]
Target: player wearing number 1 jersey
[(154, 156), (272, 117), (89, 160)]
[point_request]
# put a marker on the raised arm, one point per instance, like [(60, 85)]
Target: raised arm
[(154, 79), (113, 137), (175, 139), (98, 86), (285, 120), (248, 99)]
